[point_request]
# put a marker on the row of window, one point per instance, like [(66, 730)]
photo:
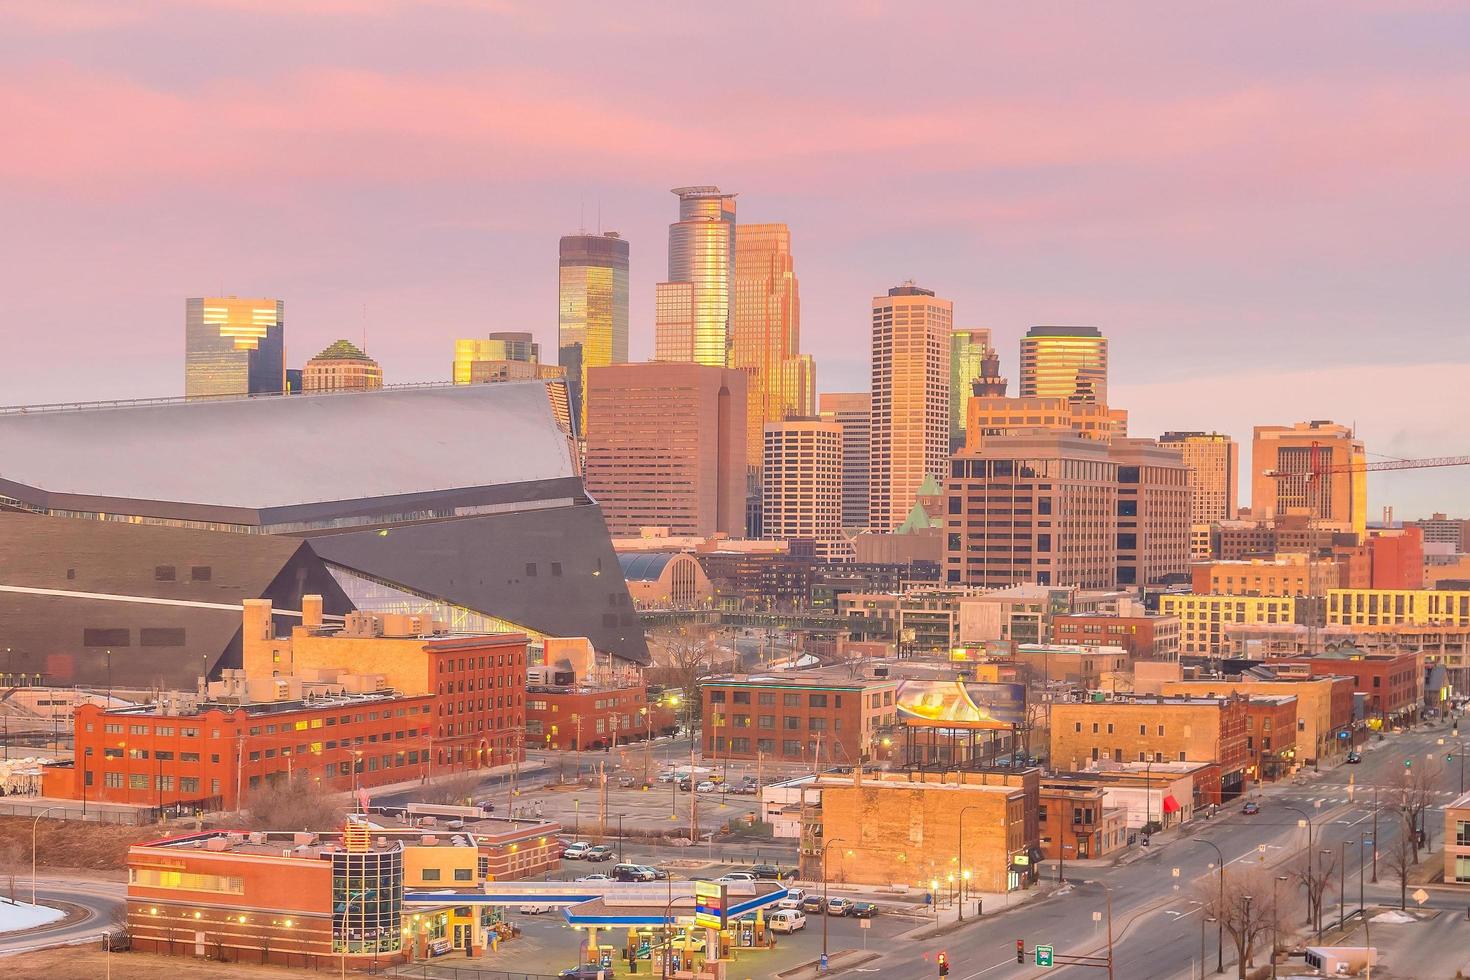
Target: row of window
[(768, 698)]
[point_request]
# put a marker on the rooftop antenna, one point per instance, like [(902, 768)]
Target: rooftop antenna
[(599, 215), (364, 328), (582, 216)]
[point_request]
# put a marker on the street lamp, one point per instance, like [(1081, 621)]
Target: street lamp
[(1275, 923), (346, 927), (1219, 906), (1315, 915), (965, 875), (1203, 919), (825, 847), (34, 824)]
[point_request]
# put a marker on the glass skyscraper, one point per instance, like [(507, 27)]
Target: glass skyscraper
[(504, 346), (967, 350), (234, 346), (765, 332), (1065, 362), (592, 295), (692, 309)]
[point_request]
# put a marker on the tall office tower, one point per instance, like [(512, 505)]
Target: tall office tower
[(234, 346), (504, 346), (1214, 473), (1065, 362), (909, 432), (343, 366), (592, 300), (967, 350), (852, 411), (692, 309), (1038, 506), (765, 331), (1291, 475), (801, 491), (1153, 512), (666, 448)]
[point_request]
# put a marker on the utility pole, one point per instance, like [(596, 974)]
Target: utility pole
[(693, 799), (1375, 834)]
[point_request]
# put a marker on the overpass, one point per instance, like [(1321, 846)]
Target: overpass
[(860, 627)]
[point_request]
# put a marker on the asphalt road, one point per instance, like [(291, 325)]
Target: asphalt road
[(99, 901), (1155, 915)]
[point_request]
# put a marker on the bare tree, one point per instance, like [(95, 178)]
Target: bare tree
[(1245, 910), (1315, 878), (690, 653), (1402, 858), (1414, 796), (11, 855), (299, 803), (455, 789)]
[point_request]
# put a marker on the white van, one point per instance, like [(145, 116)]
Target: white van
[(793, 899), (787, 920)]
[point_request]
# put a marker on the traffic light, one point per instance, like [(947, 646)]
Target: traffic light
[(1020, 951), (1408, 763), (943, 965)]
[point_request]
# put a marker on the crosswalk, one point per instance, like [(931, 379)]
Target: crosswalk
[(1360, 795)]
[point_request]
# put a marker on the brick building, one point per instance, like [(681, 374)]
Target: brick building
[(572, 717), (1204, 620), (1397, 557), (1282, 575), (1076, 823), (904, 828), (1144, 637), (1153, 729), (1391, 683), (1324, 707), (824, 715), (1270, 735), (1082, 666)]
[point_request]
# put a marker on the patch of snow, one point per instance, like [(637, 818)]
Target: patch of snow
[(1393, 918), (23, 915)]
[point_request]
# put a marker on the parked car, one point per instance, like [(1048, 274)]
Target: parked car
[(793, 899), (625, 781), (581, 973), (599, 853), (596, 877), (666, 777), (736, 878), (1354, 758), (862, 910), (813, 904), (765, 872), (684, 784), (576, 851), (690, 941), (787, 920), (632, 872), (705, 787), (536, 908), (1251, 808), (839, 906), (659, 874)]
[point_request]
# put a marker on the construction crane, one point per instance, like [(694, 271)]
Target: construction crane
[(1315, 469)]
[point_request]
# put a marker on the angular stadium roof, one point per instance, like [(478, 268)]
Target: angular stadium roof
[(259, 454)]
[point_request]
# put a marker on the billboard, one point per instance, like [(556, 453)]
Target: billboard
[(709, 905), (957, 704)]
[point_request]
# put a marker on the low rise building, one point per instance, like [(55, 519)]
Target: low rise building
[(922, 619), (1144, 637), (1205, 619), (1146, 729), (1076, 823), (1391, 684), (1319, 738), (1457, 841), (1270, 736), (1281, 575), (1149, 795), (906, 829), (1398, 607), (666, 580), (1079, 666), (820, 716)]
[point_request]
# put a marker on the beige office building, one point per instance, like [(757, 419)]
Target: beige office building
[(1033, 507), (666, 448), (1214, 473), (1153, 512), (996, 415), (909, 430), (852, 410), (1292, 475), (1065, 362), (765, 332), (801, 488)]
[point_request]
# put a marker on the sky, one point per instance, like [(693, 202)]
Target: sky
[(1263, 206)]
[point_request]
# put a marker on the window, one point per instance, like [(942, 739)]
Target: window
[(464, 874), (161, 637), (791, 700), (164, 573), (431, 874), (97, 637), (790, 722), (817, 701), (201, 573), (717, 697), (138, 781), (112, 780)]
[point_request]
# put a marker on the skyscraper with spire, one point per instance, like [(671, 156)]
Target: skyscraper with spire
[(692, 309), (765, 332)]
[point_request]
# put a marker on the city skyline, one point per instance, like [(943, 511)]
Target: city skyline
[(1184, 209)]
